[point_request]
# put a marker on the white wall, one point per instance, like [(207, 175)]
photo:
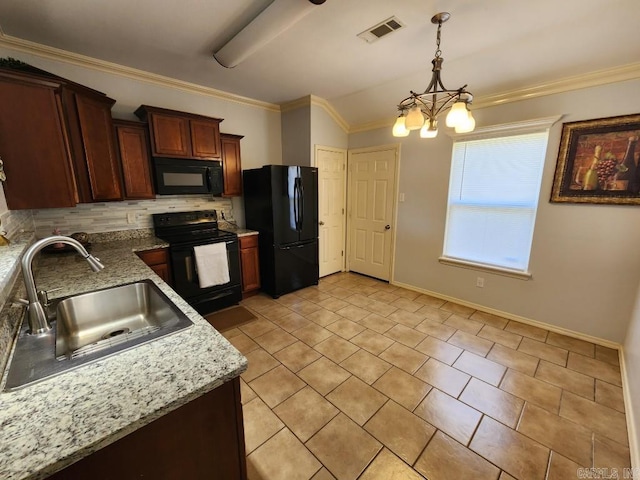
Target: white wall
[(296, 136), (305, 127), (325, 131), (585, 259), (631, 361), (261, 127), (13, 222)]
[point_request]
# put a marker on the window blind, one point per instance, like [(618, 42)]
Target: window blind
[(493, 197)]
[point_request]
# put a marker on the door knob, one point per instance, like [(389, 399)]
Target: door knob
[(387, 227), (320, 223)]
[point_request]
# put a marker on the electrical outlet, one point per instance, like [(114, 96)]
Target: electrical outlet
[(480, 282), (401, 197), (131, 218)]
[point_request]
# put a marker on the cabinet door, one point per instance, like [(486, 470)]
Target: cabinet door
[(250, 263), (170, 136), (231, 165), (33, 147), (205, 139), (156, 256), (203, 439), (96, 127), (134, 156), (162, 271), (158, 261)]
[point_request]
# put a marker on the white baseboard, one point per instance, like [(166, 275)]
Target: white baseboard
[(634, 443), (510, 316)]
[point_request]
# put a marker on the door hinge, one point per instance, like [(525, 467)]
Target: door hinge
[(343, 211), (342, 253), (343, 167)]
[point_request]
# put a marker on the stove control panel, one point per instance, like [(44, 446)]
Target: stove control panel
[(184, 218)]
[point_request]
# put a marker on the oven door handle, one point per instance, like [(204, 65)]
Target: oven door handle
[(188, 266)]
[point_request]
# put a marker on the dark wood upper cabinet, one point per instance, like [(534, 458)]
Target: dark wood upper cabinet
[(231, 164), (181, 135), (171, 136), (133, 142), (33, 144), (98, 155), (205, 138), (57, 141)]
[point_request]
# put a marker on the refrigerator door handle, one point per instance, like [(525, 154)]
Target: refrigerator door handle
[(302, 245), (301, 189), (295, 203)]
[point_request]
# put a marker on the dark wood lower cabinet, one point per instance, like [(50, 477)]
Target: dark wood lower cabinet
[(250, 265), (158, 261), (203, 439)]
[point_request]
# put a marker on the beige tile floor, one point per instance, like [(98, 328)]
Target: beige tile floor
[(358, 379)]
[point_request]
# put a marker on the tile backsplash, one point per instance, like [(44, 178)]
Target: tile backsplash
[(13, 221), (127, 215)]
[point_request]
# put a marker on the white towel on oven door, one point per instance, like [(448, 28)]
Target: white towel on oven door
[(212, 264)]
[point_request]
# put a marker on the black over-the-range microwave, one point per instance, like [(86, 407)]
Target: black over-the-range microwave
[(177, 176)]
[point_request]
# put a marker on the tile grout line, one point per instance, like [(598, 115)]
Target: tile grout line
[(493, 346)]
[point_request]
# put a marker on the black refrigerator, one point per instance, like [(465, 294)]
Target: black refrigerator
[(281, 202)]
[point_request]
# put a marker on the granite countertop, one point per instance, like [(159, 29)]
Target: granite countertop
[(230, 227), (49, 425), (243, 232)]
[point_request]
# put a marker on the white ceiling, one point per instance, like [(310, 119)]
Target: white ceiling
[(491, 45)]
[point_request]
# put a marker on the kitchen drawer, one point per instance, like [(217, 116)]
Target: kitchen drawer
[(248, 241)]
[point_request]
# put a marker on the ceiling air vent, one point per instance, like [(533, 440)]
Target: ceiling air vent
[(381, 29)]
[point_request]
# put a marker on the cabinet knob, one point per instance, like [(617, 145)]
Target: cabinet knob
[(320, 223)]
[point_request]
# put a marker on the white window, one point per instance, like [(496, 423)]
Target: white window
[(493, 196)]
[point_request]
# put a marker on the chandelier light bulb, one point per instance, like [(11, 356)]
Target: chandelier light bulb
[(414, 120), (429, 130), (467, 125), (457, 115), (399, 128)]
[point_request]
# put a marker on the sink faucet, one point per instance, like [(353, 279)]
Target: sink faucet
[(38, 322)]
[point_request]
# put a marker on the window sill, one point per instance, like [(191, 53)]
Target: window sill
[(485, 268)]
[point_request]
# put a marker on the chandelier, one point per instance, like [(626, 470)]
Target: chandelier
[(420, 111)]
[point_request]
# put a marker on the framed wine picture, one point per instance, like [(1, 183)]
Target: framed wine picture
[(598, 162)]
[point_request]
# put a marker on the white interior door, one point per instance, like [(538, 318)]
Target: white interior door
[(331, 208), (372, 180)]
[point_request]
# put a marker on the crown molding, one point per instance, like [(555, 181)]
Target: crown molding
[(593, 79), (296, 104), (507, 129), (365, 127), (567, 84), (56, 54), (314, 100)]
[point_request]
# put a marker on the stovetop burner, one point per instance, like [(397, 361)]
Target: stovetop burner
[(181, 227)]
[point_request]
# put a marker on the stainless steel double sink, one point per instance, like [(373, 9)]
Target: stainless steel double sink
[(91, 326)]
